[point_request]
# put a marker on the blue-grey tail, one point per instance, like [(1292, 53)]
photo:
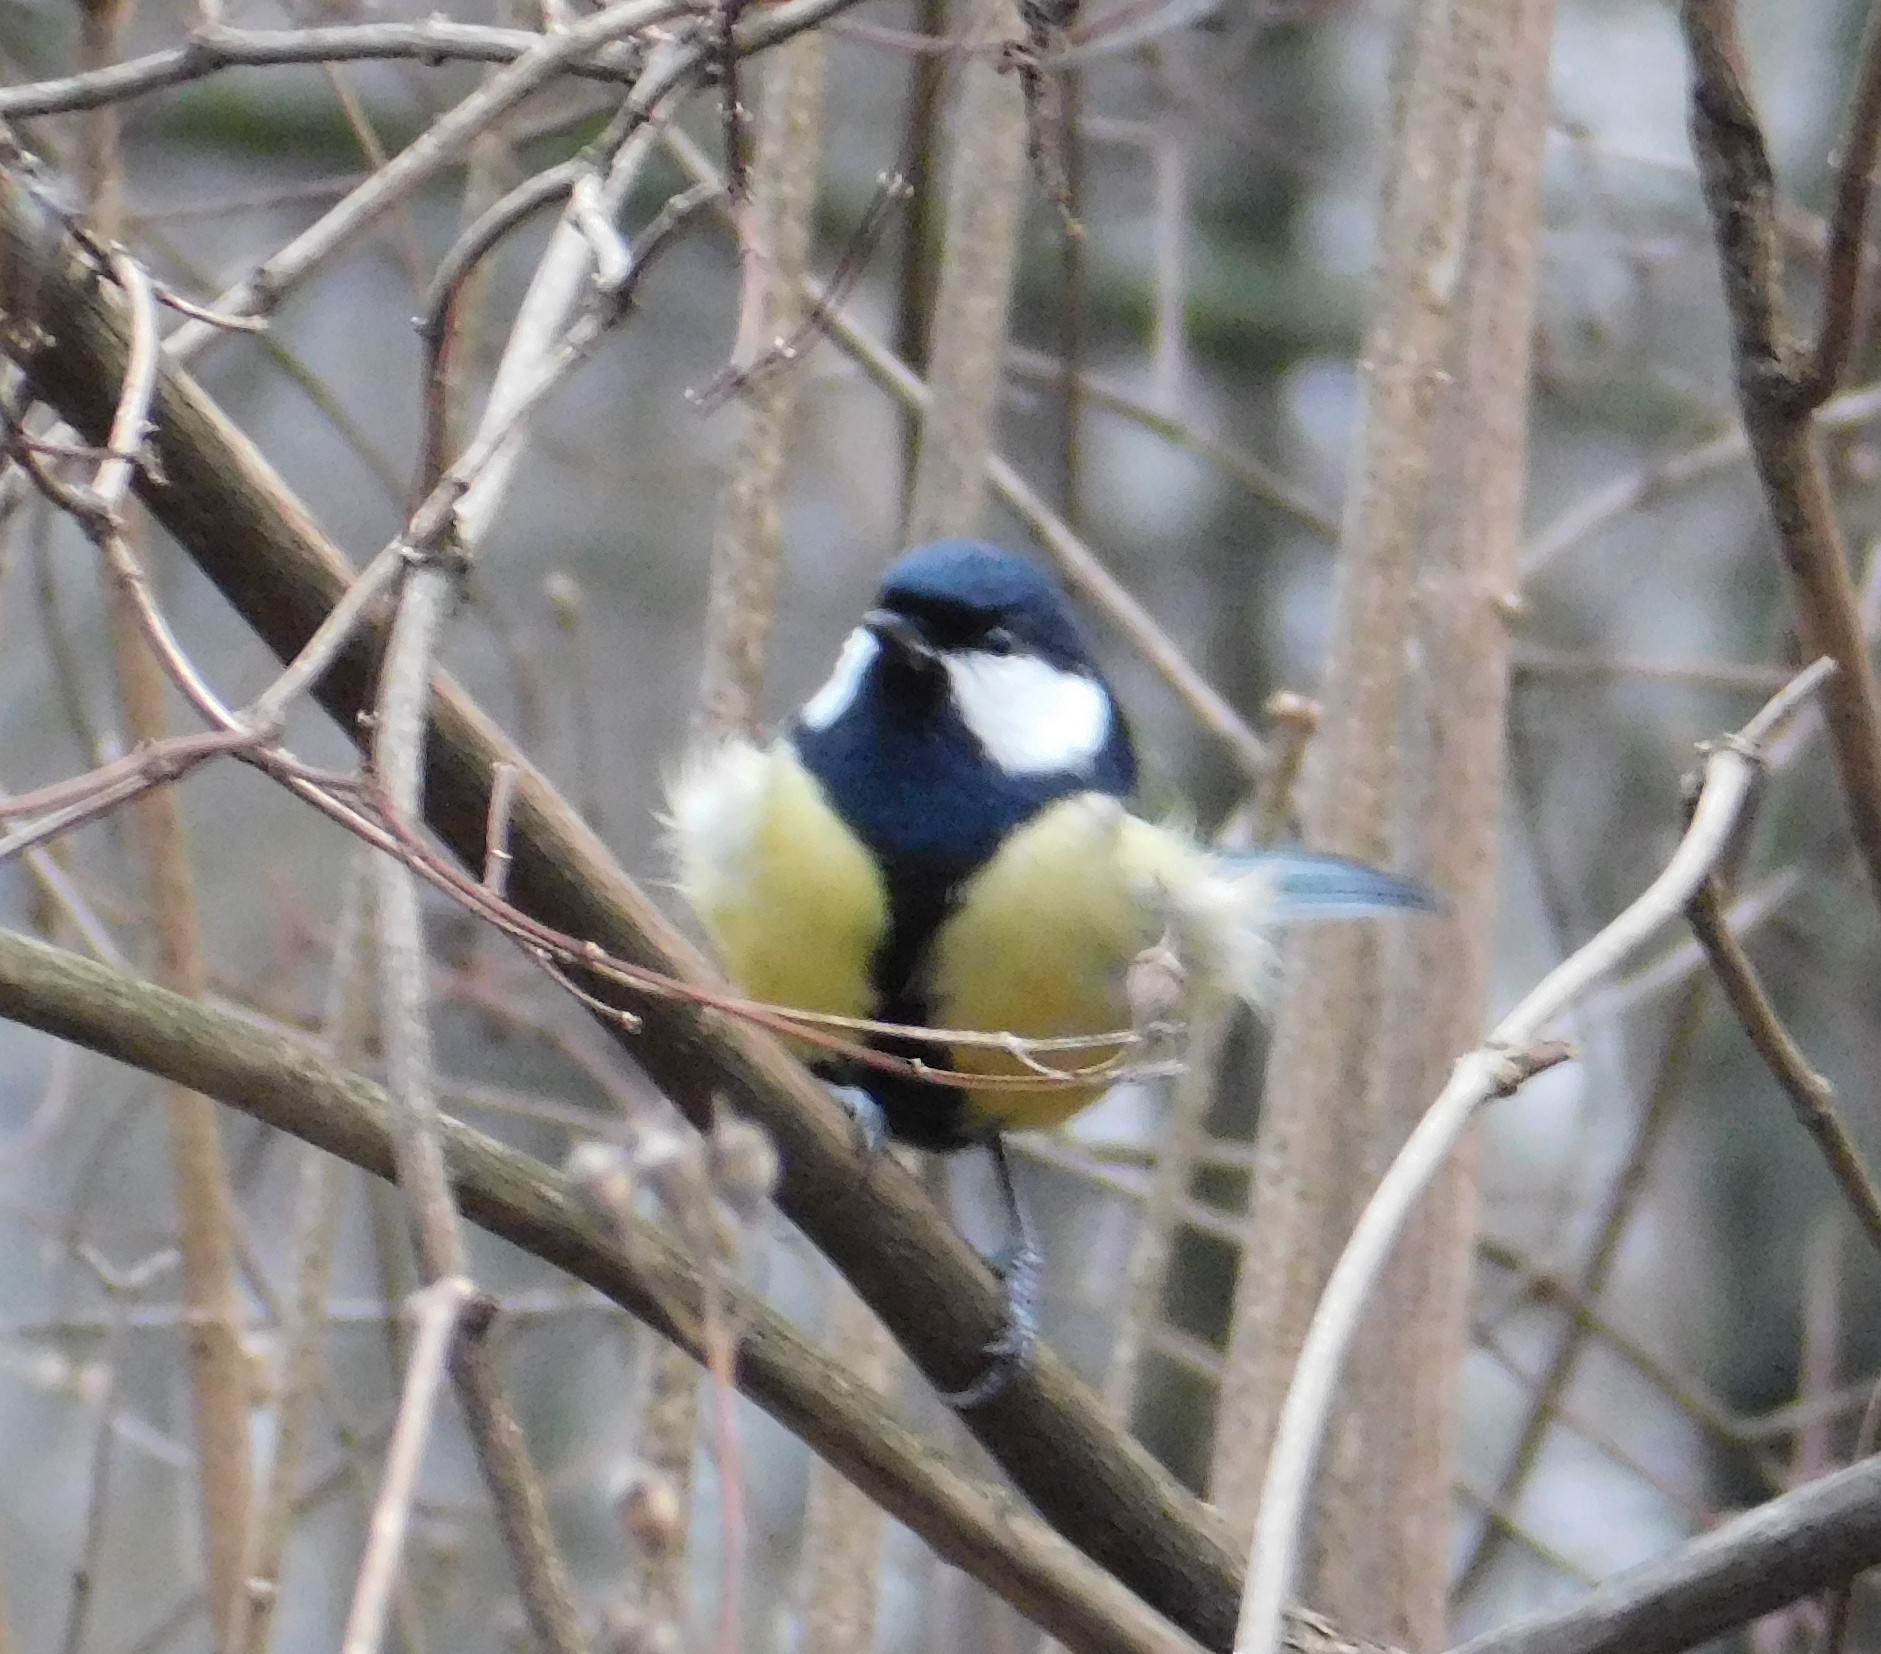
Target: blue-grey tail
[(1308, 885)]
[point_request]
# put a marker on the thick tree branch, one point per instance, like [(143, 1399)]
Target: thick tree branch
[(1784, 1550), (1800, 1543), (1512, 1052)]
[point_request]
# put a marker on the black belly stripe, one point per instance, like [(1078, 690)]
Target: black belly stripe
[(923, 1113)]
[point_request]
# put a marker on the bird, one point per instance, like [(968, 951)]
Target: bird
[(943, 837)]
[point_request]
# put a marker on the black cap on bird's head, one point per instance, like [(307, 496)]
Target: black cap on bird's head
[(961, 595)]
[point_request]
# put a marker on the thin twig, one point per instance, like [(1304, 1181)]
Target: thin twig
[(443, 141), (1839, 323), (1614, 501), (433, 41), (398, 757), (316, 1235), (1261, 480), (1810, 1095), (231, 513), (436, 1308)]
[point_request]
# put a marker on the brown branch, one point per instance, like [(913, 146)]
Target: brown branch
[(1084, 572), (843, 1531), (1792, 1546), (1781, 381), (1511, 1052), (233, 515), (1785, 1549), (1839, 1609), (748, 541), (1263, 482), (1372, 1019), (145, 653), (1810, 1095)]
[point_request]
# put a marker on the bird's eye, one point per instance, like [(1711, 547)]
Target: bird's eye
[(998, 640)]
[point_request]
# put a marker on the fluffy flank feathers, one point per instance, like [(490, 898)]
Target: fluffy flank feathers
[(712, 804), (1224, 910), (1221, 916)]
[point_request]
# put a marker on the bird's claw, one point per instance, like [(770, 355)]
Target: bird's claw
[(1011, 1350)]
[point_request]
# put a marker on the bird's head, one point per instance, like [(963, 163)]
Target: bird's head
[(964, 631), (966, 597)]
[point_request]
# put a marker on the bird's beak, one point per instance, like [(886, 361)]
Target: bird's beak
[(901, 637)]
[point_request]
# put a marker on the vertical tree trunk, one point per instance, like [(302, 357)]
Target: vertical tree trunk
[(1407, 771)]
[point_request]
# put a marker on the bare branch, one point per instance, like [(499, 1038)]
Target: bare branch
[(436, 1309), (1841, 316), (1498, 1067), (1793, 1546), (232, 514), (1779, 387), (1810, 1095), (1082, 569), (434, 41)]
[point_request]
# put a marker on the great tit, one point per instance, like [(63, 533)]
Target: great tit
[(940, 838)]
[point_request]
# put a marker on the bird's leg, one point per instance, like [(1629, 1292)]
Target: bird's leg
[(1018, 1265)]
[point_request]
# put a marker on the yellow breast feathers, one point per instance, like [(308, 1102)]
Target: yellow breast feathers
[(1043, 936), (793, 902), (1038, 943)]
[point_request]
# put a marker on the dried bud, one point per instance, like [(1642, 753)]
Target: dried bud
[(1153, 985), (741, 1160), (566, 599), (673, 1166), (650, 1510), (603, 1177), (1288, 706)]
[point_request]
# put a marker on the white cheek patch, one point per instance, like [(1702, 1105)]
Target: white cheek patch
[(1030, 716), (839, 690)]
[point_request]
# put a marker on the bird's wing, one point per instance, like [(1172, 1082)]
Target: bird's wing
[(1309, 885)]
